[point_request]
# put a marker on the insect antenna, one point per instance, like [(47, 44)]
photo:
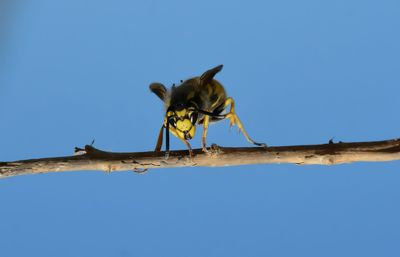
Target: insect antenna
[(211, 114)]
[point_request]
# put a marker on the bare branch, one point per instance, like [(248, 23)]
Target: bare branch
[(94, 159)]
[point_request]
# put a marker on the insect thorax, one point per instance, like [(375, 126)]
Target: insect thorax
[(206, 97)]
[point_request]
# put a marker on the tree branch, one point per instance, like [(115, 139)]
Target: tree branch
[(94, 159)]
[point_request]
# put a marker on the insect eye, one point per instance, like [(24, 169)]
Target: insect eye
[(193, 117)]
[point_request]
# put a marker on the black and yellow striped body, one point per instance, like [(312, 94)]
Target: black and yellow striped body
[(210, 97), (198, 100)]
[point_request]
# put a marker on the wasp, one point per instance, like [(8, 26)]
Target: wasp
[(196, 101)]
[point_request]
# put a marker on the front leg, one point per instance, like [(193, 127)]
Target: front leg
[(206, 122)]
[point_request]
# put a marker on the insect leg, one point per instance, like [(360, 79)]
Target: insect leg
[(173, 132), (204, 135), (234, 119), (229, 101), (160, 139), (188, 146), (167, 140)]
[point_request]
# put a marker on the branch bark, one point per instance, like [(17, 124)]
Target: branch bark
[(95, 159)]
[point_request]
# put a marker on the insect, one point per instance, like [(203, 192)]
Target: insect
[(196, 101)]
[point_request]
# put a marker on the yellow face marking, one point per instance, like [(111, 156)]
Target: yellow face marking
[(184, 125), (170, 113), (187, 133), (181, 113)]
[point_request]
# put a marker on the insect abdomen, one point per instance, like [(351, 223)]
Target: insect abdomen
[(216, 95)]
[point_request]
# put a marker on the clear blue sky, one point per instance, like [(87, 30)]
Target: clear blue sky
[(301, 72)]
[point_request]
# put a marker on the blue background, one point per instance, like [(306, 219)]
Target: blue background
[(301, 72)]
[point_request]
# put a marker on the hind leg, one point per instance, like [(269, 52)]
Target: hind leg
[(234, 119)]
